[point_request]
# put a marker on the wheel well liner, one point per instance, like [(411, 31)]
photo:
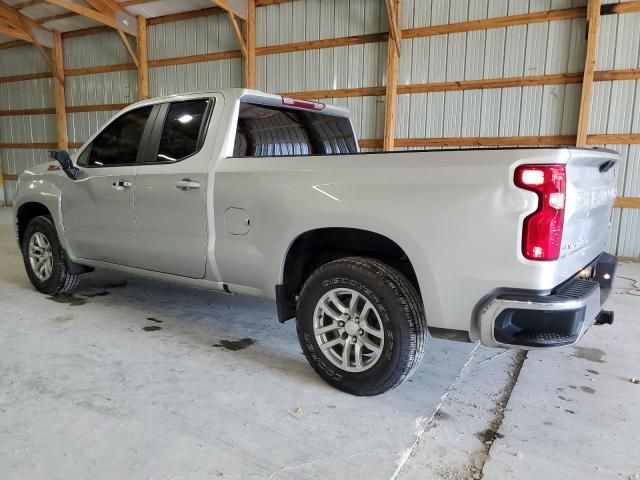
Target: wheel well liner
[(317, 247), (26, 213)]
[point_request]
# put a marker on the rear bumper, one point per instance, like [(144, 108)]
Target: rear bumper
[(527, 319)]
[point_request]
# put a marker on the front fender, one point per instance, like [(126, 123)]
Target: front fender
[(46, 190)]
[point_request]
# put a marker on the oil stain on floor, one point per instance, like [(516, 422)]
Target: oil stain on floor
[(151, 328), (103, 293), (589, 354), (121, 284), (70, 300), (235, 345)]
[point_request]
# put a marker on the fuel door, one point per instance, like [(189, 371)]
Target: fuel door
[(236, 221)]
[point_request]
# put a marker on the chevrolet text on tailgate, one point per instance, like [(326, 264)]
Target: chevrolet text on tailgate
[(245, 192)]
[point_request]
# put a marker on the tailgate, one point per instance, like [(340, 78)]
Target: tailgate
[(590, 193)]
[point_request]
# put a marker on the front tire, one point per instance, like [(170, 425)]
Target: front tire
[(361, 325), (44, 258)]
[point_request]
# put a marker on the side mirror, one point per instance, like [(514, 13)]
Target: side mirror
[(63, 158)]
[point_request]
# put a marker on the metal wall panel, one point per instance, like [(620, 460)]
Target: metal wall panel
[(102, 88), (95, 50), (536, 49), (28, 129), (195, 77), (27, 94), (80, 126), (17, 160), (191, 37), (21, 60)]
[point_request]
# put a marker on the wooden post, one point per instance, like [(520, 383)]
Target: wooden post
[(143, 63), (393, 54), (58, 92), (593, 26), (250, 57)]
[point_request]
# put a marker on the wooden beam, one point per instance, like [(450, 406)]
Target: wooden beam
[(143, 62), (622, 7), (250, 57), (118, 20), (393, 57), (496, 22), (514, 141), (106, 6), (181, 16), (238, 32), (86, 31), (24, 28), (593, 26), (337, 93), (127, 45), (627, 202), (27, 111), (613, 138), (15, 33), (13, 44), (393, 12), (106, 107), (38, 145), (120, 67), (24, 77), (58, 94), (240, 8), (28, 145), (326, 43), (205, 57)]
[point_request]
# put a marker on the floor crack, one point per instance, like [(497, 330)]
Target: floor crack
[(501, 406), (426, 425)]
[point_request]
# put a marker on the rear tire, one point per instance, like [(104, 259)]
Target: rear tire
[(361, 325), (44, 258)]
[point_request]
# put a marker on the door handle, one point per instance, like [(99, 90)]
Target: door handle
[(121, 185), (186, 184)]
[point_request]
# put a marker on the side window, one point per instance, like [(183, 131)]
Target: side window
[(118, 143), (181, 132), (266, 131), (270, 132)]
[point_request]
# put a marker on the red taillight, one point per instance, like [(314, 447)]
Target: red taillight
[(542, 230), (307, 105)]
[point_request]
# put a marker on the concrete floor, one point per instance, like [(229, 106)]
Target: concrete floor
[(136, 379)]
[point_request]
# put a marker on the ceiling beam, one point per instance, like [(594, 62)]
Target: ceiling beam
[(15, 33), (24, 28), (239, 8), (119, 20)]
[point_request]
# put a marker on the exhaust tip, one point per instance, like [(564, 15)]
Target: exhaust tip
[(604, 317)]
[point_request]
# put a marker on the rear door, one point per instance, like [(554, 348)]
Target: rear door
[(170, 194), (97, 208)]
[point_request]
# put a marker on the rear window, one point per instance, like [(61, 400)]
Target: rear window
[(265, 131)]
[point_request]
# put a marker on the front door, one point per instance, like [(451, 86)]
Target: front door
[(98, 208), (170, 196)]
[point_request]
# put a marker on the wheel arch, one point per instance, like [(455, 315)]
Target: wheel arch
[(315, 247), (26, 212)]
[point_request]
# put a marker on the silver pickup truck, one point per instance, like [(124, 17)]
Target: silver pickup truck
[(245, 192)]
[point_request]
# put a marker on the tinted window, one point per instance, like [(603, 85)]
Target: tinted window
[(181, 130), (265, 131), (118, 143)]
